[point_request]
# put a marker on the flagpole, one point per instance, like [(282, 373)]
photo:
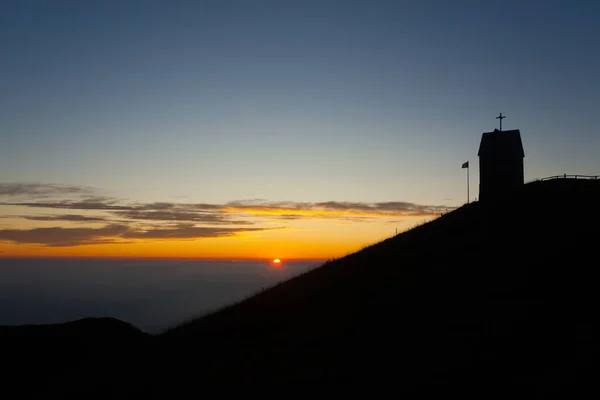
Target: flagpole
[(466, 165)]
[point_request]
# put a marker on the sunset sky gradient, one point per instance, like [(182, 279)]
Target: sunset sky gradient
[(275, 129)]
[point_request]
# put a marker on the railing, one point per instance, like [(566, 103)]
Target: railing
[(565, 176)]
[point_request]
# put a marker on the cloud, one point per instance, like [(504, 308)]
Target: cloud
[(189, 232), (200, 212), (385, 208), (57, 237), (332, 209), (208, 214), (181, 215), (187, 206), (114, 233), (63, 217), (290, 217), (41, 190), (103, 204), (127, 220), (229, 213)]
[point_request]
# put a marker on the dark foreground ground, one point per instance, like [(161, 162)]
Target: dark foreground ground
[(488, 301)]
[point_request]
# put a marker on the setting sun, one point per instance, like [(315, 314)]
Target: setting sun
[(277, 261)]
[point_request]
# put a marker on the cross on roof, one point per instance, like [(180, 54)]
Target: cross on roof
[(500, 117)]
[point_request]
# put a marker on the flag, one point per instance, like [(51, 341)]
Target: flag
[(465, 165)]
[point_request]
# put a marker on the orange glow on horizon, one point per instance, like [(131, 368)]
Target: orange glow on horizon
[(300, 240), (222, 248)]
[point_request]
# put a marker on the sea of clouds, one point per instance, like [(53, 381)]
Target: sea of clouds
[(150, 294)]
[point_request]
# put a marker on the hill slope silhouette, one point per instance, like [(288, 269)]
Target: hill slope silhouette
[(492, 300)]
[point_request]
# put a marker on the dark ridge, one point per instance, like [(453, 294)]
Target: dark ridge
[(84, 329), (493, 300), (59, 358)]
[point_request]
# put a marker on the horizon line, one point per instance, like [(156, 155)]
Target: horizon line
[(231, 259)]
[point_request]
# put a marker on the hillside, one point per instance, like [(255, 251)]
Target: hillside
[(488, 301)]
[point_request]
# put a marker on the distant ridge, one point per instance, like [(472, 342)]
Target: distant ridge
[(78, 329), (495, 300)]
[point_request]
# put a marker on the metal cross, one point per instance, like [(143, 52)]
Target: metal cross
[(500, 117)]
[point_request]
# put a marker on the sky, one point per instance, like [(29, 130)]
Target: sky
[(263, 129)]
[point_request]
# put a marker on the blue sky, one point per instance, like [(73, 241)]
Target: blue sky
[(357, 101)]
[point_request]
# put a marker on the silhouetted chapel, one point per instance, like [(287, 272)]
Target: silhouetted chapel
[(500, 163)]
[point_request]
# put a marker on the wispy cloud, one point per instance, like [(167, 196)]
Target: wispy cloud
[(40, 190), (99, 204), (205, 212), (56, 237), (221, 213), (189, 232), (114, 233), (183, 214), (126, 220), (63, 217), (334, 209)]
